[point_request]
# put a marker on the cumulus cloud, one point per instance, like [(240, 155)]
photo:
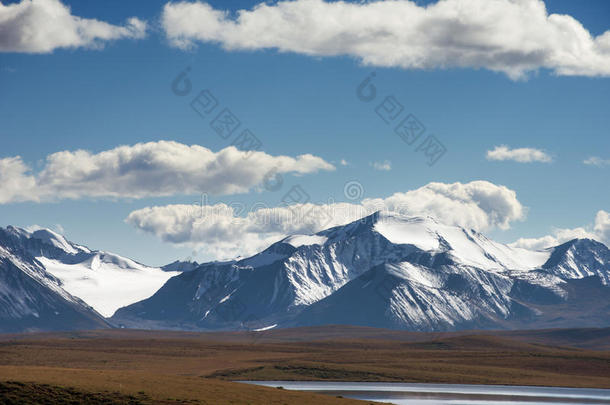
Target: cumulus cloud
[(521, 155), (597, 161), (41, 26), (222, 232), (386, 165), (510, 36), (146, 170), (16, 183), (600, 231), (602, 226)]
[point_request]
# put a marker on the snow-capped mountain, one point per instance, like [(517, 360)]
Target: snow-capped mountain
[(98, 282), (580, 258), (386, 270), (31, 298)]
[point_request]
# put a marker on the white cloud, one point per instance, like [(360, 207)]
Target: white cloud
[(521, 155), (41, 26), (510, 36), (386, 165), (145, 170), (222, 233), (344, 162), (602, 226), (16, 184), (60, 229), (600, 231), (597, 161)]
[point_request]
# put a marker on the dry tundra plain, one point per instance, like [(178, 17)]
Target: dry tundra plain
[(153, 367)]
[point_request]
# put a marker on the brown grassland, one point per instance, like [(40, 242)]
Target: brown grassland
[(153, 367)]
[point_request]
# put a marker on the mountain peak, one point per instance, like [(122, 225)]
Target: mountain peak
[(18, 232), (579, 258), (382, 215), (45, 236), (55, 239), (370, 223), (467, 247), (181, 266), (584, 242)]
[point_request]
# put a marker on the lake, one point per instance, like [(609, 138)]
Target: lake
[(440, 394)]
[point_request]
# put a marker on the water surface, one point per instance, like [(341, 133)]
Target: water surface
[(441, 394)]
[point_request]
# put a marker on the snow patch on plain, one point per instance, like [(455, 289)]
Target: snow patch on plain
[(264, 328)]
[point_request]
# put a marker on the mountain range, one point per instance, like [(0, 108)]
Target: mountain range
[(384, 270)]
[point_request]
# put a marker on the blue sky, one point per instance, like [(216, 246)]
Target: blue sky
[(120, 94)]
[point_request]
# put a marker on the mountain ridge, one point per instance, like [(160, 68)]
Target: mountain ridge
[(465, 280), (384, 270)]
